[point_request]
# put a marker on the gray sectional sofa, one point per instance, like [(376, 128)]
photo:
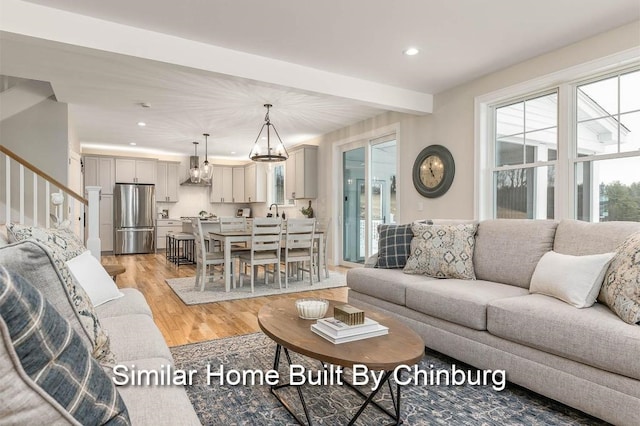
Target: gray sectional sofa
[(134, 339), (585, 358)]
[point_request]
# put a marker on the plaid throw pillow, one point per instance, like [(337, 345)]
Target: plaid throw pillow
[(394, 246), (53, 360)]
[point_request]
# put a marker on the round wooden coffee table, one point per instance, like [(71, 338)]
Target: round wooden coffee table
[(402, 346)]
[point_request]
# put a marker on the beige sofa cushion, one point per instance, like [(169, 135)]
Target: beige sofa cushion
[(462, 302), (133, 302), (135, 337), (508, 250), (594, 336), (385, 284), (582, 238)]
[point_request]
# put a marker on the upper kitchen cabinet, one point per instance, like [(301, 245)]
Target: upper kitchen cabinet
[(100, 171), (301, 177), (238, 185), (255, 183), (167, 182), (222, 185), (135, 170)]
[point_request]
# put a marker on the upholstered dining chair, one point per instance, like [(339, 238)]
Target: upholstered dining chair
[(298, 247), (266, 236), (204, 258)]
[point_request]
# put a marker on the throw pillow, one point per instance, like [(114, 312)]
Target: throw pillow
[(63, 240), (48, 364), (394, 246), (442, 251), (92, 277), (621, 287), (63, 245), (572, 279)]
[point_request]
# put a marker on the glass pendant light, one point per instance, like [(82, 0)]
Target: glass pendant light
[(206, 170), (194, 172)]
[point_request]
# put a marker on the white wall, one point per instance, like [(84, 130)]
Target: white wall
[(40, 135)]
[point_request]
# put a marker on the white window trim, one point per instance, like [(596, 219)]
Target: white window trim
[(565, 80)]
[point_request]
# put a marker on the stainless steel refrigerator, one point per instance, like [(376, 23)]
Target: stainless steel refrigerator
[(134, 218)]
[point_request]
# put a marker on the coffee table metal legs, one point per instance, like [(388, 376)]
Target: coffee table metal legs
[(368, 399)]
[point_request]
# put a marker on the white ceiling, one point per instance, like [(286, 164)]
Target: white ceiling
[(360, 39)]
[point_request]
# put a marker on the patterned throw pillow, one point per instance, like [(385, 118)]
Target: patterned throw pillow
[(51, 363), (442, 251), (394, 246), (621, 287), (63, 245)]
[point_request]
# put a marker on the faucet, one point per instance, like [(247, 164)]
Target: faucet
[(274, 204)]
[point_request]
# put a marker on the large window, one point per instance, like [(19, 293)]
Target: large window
[(607, 166), (584, 163), (526, 150)]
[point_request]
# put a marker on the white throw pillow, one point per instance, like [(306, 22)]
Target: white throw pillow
[(93, 278), (572, 279)]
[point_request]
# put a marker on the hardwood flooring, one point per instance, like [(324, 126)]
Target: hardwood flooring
[(181, 324)]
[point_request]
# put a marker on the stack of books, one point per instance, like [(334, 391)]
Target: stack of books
[(338, 332)]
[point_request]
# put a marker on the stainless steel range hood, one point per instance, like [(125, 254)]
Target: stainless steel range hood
[(194, 160)]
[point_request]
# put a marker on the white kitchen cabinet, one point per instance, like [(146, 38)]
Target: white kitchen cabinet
[(238, 185), (301, 173), (100, 171), (222, 186), (167, 182), (255, 183), (106, 222), (135, 170), (164, 226)]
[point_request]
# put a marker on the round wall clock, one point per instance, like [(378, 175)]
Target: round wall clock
[(433, 171)]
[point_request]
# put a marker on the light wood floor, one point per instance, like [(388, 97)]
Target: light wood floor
[(181, 324)]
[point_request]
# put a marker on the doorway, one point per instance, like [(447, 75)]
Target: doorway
[(369, 196)]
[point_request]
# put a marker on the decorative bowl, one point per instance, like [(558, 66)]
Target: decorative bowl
[(312, 308)]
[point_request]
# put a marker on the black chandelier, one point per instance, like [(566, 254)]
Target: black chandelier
[(268, 152)]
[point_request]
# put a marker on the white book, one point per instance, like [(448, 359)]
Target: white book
[(337, 328), (381, 331)]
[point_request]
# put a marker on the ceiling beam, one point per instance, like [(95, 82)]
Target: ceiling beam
[(65, 27)]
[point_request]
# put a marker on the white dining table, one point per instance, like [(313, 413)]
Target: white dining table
[(227, 238)]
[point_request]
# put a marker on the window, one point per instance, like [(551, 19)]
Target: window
[(526, 146), (277, 185), (607, 165), (567, 151)]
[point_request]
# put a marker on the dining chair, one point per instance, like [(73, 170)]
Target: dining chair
[(266, 236), (229, 224), (298, 247), (323, 226), (204, 258)]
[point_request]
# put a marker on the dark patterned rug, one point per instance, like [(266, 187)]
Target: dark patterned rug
[(334, 405)]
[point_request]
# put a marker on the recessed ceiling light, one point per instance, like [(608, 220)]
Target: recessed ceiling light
[(132, 143), (411, 51), (141, 123), (233, 152)]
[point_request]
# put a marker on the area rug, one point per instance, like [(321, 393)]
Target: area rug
[(214, 290), (334, 405)]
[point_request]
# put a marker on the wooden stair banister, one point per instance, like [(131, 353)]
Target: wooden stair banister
[(43, 175)]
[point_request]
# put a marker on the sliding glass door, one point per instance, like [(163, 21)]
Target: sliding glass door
[(368, 195)]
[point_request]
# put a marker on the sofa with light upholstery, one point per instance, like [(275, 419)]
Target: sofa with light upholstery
[(133, 341), (585, 358)]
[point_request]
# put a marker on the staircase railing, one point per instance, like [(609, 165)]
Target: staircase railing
[(33, 197)]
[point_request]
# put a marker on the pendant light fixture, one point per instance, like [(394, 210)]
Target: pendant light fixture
[(268, 151), (194, 171), (206, 171)]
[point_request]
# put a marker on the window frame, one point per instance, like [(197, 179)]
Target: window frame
[(271, 186), (566, 81)]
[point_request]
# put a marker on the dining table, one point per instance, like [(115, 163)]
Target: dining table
[(228, 238)]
